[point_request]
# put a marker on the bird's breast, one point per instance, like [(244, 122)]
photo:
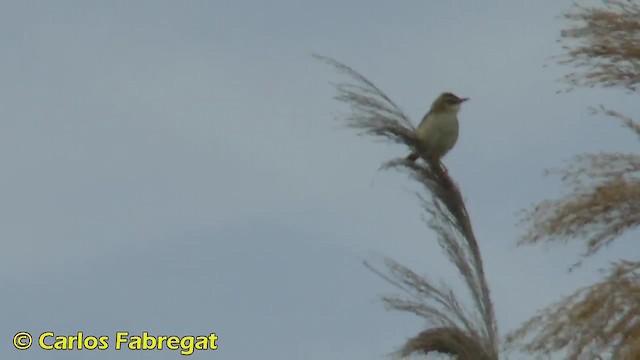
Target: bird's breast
[(441, 126), (439, 133)]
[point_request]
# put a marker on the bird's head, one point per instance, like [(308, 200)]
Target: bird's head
[(447, 102)]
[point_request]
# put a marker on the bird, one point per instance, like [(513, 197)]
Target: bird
[(438, 131)]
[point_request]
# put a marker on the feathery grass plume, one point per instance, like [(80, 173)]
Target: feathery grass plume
[(454, 329), (605, 42), (449, 341), (603, 200), (603, 318)]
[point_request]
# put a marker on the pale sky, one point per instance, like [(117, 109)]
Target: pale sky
[(174, 167)]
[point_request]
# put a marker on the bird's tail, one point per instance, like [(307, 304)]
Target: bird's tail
[(412, 157)]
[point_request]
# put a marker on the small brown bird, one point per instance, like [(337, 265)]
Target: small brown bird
[(438, 130)]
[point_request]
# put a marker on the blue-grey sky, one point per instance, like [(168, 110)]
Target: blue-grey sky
[(174, 167)]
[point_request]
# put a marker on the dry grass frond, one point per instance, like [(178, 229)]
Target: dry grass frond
[(625, 120), (376, 114), (373, 112), (449, 341), (606, 41), (603, 200), (601, 319)]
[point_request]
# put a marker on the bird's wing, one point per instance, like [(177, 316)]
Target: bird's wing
[(424, 119)]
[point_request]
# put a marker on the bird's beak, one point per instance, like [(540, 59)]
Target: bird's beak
[(463, 99)]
